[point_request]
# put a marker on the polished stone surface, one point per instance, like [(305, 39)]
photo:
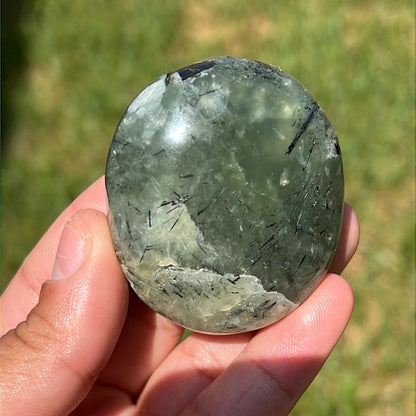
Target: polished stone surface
[(225, 189)]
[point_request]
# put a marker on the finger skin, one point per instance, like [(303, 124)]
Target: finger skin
[(22, 293), (146, 339), (280, 361), (144, 333), (188, 370), (240, 374), (50, 361), (348, 241), (204, 357)]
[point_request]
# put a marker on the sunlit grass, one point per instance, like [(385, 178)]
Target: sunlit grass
[(85, 61)]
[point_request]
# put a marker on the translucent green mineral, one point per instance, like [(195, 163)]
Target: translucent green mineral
[(225, 190)]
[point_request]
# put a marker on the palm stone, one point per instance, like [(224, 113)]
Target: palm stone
[(225, 189)]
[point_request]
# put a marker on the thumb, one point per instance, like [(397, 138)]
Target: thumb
[(50, 361)]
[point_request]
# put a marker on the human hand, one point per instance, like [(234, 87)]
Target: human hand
[(82, 343)]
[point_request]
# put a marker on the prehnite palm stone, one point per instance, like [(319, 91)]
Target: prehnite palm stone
[(225, 189)]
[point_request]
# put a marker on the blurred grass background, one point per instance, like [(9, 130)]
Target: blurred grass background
[(70, 69)]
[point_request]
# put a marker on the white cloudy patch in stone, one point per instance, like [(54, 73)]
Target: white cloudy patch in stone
[(149, 97), (222, 303), (176, 230), (284, 178), (331, 149), (212, 104), (287, 110)]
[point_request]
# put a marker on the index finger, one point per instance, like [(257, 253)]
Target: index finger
[(22, 293)]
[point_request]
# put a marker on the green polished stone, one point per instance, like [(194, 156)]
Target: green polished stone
[(225, 190)]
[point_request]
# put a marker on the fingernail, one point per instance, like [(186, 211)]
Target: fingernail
[(70, 254)]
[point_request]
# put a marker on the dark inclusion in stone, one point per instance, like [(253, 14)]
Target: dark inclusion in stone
[(225, 189)]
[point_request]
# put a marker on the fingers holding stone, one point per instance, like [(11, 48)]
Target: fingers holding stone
[(191, 367), (238, 374), (146, 339), (22, 293), (69, 336), (201, 363), (280, 361)]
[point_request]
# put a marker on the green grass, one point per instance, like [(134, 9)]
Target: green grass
[(73, 67)]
